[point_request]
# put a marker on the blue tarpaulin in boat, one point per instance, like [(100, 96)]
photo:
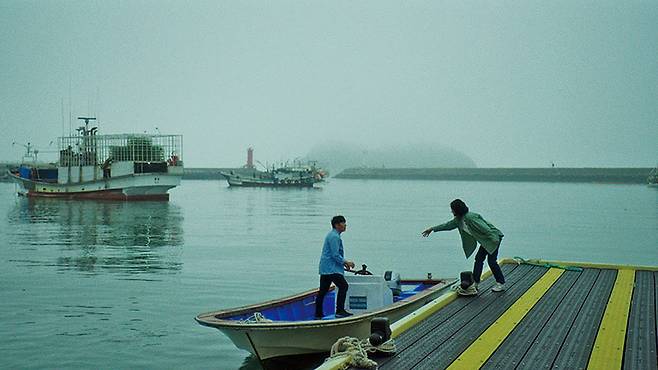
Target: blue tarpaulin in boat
[(304, 309), (25, 172), (45, 174)]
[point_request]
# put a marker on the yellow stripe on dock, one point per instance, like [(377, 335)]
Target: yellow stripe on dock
[(483, 347), (608, 348)]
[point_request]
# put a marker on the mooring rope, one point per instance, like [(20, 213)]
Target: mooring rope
[(522, 261), (357, 351), (256, 318)]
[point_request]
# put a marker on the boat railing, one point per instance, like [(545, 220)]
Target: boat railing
[(101, 150)]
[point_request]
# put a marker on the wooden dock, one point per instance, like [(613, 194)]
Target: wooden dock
[(552, 315)]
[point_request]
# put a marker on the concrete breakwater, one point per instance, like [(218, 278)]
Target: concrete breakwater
[(214, 173), (591, 175)]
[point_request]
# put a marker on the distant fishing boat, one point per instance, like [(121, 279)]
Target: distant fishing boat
[(652, 180), (287, 327), (297, 175), (109, 167)]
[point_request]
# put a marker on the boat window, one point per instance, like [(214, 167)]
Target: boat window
[(150, 167)]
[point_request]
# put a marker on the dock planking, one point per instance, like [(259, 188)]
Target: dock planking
[(581, 320)]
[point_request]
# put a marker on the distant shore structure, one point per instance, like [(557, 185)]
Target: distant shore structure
[(652, 180), (553, 174), (250, 158)]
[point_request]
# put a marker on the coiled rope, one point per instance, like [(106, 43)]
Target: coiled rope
[(357, 351), (256, 318)]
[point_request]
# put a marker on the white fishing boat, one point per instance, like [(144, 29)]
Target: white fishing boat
[(287, 327), (109, 167), (296, 175)]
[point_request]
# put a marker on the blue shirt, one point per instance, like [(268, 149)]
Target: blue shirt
[(332, 258)]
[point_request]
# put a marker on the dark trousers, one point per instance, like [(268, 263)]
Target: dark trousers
[(325, 282), (491, 260)]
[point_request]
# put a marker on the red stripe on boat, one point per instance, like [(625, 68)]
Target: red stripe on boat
[(114, 194)]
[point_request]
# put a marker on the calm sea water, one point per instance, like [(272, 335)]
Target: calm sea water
[(88, 284)]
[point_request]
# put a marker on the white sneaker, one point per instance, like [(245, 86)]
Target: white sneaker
[(470, 291), (498, 287)]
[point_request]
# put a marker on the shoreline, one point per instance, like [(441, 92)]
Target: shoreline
[(617, 175)]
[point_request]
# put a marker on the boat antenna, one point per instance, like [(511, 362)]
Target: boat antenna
[(87, 119), (63, 124), (70, 114), (262, 165), (30, 151), (85, 129)]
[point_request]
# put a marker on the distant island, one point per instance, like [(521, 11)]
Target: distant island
[(338, 156)]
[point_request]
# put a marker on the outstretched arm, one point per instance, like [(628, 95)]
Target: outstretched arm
[(450, 225)]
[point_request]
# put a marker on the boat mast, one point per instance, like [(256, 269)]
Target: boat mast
[(30, 152), (88, 148), (86, 129)]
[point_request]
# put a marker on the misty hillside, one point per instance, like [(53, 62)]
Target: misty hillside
[(337, 156)]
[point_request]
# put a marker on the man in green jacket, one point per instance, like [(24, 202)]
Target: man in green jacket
[(474, 229)]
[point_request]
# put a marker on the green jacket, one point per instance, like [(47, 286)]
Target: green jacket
[(479, 230)]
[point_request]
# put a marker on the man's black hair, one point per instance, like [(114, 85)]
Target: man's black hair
[(459, 207), (336, 220)]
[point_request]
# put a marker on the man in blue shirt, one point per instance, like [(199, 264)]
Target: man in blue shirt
[(332, 267)]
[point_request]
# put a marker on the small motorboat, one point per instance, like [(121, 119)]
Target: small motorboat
[(287, 326)]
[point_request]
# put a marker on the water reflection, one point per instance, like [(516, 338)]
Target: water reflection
[(129, 237), (302, 362)]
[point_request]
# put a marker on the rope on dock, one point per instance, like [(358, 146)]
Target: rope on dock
[(256, 318), (357, 351), (522, 261)]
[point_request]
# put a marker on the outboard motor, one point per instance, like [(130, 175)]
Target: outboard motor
[(393, 282)]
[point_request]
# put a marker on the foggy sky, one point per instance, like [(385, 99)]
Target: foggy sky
[(508, 83)]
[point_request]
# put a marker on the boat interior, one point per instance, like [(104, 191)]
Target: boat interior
[(303, 308)]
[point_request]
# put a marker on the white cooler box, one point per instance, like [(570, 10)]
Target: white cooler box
[(367, 293)]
